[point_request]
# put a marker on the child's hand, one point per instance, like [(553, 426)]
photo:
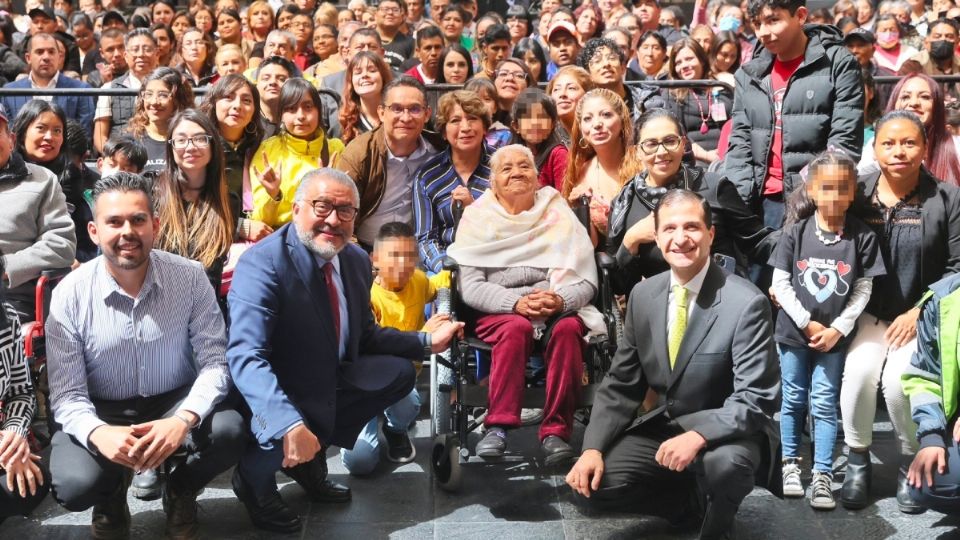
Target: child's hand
[(813, 328), (825, 339), (435, 322)]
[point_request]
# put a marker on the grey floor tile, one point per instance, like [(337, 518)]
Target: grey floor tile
[(552, 530), (370, 531)]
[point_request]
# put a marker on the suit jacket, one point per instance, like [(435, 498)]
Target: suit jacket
[(282, 349), (725, 384), (79, 108)]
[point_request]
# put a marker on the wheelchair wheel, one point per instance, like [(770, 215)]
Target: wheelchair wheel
[(447, 470)]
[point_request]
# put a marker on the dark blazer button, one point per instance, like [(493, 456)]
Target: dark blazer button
[(670, 403)]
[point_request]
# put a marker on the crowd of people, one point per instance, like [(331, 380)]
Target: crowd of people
[(256, 250)]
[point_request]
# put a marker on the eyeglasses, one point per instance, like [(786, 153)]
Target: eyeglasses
[(322, 209), (149, 95), (669, 143), (144, 50), (387, 9), (515, 75), (397, 110), (199, 141)]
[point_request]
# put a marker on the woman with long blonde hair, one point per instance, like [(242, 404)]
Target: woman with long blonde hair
[(197, 218), (601, 158)]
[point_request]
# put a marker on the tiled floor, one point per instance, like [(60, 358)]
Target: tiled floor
[(515, 499)]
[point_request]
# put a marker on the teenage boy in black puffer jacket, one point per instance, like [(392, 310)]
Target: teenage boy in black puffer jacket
[(800, 94)]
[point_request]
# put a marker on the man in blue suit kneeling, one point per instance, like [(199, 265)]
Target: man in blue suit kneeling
[(305, 351)]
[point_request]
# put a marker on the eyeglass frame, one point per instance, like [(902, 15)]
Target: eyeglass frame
[(393, 108), (338, 209), (661, 142), (515, 75), (191, 140)]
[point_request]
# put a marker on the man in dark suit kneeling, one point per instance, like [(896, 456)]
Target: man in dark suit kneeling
[(305, 351), (710, 432)]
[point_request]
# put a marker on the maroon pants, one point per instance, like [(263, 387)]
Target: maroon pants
[(511, 336)]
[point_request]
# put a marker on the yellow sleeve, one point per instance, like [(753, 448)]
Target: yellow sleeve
[(264, 206), (440, 281)]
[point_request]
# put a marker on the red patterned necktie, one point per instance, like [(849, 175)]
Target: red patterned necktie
[(334, 298)]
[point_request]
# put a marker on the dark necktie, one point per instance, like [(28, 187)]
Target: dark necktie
[(334, 298)]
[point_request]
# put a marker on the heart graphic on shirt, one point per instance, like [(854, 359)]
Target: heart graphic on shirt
[(802, 265), (843, 268), (820, 284)]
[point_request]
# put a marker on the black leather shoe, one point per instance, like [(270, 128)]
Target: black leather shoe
[(399, 447), (493, 444), (180, 505), (856, 483), (111, 518), (556, 450), (312, 477), (146, 485), (269, 512), (904, 501)]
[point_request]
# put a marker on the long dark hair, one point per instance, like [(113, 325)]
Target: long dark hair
[(455, 48), (941, 159), (202, 231), (719, 40), (292, 92), (799, 204), (229, 84), (521, 107), (27, 116), (532, 45)]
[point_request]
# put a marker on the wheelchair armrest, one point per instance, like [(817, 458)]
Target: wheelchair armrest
[(55, 273), (605, 261), (449, 263)]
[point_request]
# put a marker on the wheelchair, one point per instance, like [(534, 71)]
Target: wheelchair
[(451, 421), (35, 352)]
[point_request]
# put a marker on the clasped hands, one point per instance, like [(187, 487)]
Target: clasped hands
[(23, 472), (145, 446), (539, 304)]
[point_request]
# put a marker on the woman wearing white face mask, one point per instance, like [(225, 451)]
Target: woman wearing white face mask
[(890, 53)]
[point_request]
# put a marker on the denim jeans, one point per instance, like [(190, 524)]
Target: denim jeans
[(810, 377), (366, 452)]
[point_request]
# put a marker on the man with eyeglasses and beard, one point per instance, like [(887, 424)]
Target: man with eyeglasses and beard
[(305, 351)]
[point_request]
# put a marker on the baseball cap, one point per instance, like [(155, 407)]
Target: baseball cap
[(113, 16), (561, 26), (46, 11), (859, 33)]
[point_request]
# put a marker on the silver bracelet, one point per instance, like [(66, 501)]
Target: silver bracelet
[(178, 416)]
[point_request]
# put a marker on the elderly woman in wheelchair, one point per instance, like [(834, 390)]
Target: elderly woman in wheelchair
[(527, 272)]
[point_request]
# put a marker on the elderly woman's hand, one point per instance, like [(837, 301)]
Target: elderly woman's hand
[(462, 194), (539, 304)]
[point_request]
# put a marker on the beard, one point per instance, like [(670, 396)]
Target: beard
[(325, 250)]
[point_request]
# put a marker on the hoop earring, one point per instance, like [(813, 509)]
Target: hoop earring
[(250, 130), (583, 144)]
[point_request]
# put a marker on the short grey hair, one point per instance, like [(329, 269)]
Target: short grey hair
[(497, 158), (330, 174), (292, 41)]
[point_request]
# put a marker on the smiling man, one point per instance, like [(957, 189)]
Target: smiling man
[(305, 351), (695, 453), (382, 162), (113, 112)]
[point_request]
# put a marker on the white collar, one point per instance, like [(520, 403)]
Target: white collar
[(695, 283), (53, 81)]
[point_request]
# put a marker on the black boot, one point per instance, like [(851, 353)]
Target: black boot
[(906, 503), (856, 483)]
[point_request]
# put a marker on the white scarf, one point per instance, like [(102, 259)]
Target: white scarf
[(549, 236)]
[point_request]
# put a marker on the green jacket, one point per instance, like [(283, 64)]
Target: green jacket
[(932, 381)]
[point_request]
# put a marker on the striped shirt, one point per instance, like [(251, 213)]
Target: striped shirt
[(105, 345), (16, 387), (433, 203)]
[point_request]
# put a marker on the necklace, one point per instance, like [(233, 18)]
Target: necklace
[(703, 117), (831, 241)]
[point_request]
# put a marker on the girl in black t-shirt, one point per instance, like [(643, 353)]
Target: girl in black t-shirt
[(823, 276)]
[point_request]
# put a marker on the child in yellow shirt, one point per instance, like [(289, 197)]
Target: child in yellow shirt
[(398, 297)]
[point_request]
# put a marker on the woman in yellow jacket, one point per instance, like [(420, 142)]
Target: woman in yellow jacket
[(300, 146)]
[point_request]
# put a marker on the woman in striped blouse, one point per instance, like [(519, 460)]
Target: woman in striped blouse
[(22, 483)]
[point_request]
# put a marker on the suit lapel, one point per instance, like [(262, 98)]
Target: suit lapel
[(701, 320), (353, 286), (658, 322), (309, 274)]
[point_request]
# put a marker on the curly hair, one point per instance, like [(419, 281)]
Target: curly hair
[(580, 154), (349, 115), (181, 94)]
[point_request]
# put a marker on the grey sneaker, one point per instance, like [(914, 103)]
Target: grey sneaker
[(792, 486), (821, 491), (531, 417)]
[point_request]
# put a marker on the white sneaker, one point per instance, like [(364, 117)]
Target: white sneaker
[(821, 491), (792, 486)]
